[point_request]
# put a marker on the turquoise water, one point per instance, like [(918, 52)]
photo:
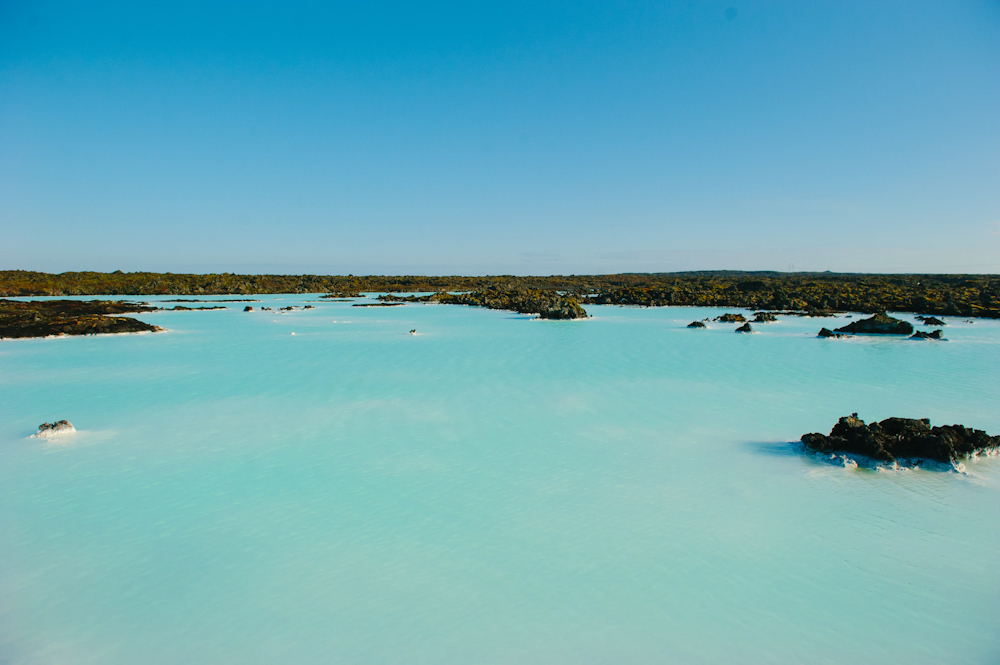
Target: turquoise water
[(494, 489)]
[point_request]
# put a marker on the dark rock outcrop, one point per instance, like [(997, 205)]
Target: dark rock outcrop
[(731, 318), (902, 438), (826, 332), (931, 321), (70, 317), (764, 317), (880, 324), (58, 427), (745, 328), (248, 308), (696, 324), (923, 335)]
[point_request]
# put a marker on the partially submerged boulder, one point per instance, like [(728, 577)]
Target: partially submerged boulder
[(731, 318), (764, 317), (745, 328), (826, 332), (902, 438), (932, 321), (54, 429), (696, 324), (880, 324), (920, 334)]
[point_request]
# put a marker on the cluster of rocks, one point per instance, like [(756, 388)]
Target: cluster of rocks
[(182, 308), (826, 332), (882, 324), (902, 438), (545, 303), (280, 309), (734, 318), (931, 321), (343, 295), (212, 300)]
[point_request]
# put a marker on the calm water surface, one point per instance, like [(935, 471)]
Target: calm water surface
[(494, 489)]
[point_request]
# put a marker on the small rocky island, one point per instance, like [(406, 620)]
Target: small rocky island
[(902, 438), (54, 429), (880, 324)]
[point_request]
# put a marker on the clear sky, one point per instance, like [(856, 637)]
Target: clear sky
[(500, 137)]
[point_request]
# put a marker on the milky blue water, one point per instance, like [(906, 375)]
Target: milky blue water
[(493, 489)]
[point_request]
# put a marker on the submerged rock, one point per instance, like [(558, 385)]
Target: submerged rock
[(731, 318), (826, 332), (902, 438), (880, 324), (931, 321), (696, 324), (923, 335), (745, 328), (248, 308), (764, 317), (58, 427)]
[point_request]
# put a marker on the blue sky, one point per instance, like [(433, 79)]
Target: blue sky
[(487, 137)]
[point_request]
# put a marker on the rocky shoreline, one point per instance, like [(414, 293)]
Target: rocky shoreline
[(46, 318), (902, 438), (813, 294)]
